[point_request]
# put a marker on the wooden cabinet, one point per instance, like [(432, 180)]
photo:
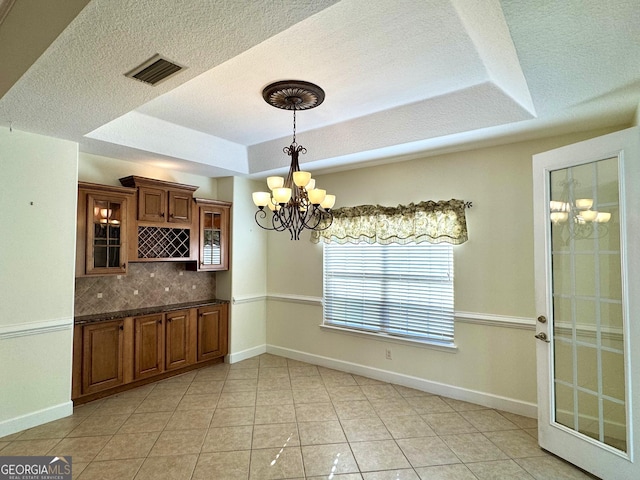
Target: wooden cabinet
[(152, 204), (213, 216), (212, 332), (160, 201), (111, 356), (177, 340), (102, 356), (103, 229), (148, 351)]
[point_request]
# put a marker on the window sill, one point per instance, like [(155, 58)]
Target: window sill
[(382, 337)]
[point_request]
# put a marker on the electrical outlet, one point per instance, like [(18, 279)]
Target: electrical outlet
[(166, 289), (135, 292), (99, 295), (387, 354)]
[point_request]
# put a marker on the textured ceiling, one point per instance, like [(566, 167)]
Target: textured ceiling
[(402, 77)]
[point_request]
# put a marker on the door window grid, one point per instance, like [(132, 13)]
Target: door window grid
[(567, 334)]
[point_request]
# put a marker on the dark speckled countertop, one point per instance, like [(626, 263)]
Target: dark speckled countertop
[(101, 317)]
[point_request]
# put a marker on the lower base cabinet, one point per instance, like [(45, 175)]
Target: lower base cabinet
[(102, 356), (111, 355), (212, 332), (177, 345), (148, 350)]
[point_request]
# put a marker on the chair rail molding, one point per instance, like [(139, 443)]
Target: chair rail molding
[(35, 328)]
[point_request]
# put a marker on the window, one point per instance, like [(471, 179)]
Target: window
[(398, 290)]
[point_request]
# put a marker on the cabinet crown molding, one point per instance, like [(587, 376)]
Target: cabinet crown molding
[(135, 181)]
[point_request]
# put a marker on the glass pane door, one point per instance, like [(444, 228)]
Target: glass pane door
[(588, 336), (211, 232), (105, 238), (587, 271)]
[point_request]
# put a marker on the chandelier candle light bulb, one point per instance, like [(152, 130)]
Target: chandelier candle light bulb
[(584, 203), (275, 182), (301, 178)]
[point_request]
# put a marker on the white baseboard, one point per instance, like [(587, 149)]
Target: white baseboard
[(481, 398), (33, 419), (245, 354)]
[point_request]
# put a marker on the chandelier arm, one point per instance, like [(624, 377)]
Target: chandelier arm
[(317, 215), (261, 214)]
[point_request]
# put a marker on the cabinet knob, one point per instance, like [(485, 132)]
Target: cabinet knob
[(168, 320), (162, 214), (171, 215), (159, 322), (121, 327)]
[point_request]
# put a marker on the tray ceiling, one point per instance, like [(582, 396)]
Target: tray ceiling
[(402, 78)]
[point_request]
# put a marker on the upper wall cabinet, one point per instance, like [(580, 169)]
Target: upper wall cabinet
[(104, 229), (160, 201), (214, 234), (165, 227)]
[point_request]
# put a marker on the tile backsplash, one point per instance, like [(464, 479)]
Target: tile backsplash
[(146, 285)]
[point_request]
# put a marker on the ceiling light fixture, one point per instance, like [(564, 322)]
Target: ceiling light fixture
[(577, 215), (295, 202)]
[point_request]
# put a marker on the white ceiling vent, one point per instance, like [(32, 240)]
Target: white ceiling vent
[(154, 70)]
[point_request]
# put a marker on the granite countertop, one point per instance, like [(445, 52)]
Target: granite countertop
[(101, 317)]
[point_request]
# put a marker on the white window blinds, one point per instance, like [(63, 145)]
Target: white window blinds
[(400, 290)]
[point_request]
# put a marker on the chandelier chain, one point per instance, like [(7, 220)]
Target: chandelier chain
[(294, 126)]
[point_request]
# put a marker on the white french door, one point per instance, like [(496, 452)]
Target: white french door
[(587, 268)]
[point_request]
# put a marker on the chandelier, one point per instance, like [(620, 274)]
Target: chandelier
[(576, 216), (293, 203)]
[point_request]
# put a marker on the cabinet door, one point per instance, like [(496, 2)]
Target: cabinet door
[(212, 332), (102, 356), (152, 203), (177, 339), (106, 235), (180, 206), (214, 238), (148, 346)]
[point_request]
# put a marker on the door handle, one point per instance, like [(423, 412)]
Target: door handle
[(542, 336)]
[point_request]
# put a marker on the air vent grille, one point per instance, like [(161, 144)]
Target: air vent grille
[(154, 70)]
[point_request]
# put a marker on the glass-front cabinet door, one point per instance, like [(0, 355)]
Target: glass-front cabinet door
[(106, 235), (214, 233)]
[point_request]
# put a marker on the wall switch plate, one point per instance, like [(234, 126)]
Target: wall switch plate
[(166, 289), (387, 354)]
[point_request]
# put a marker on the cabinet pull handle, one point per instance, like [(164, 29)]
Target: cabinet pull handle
[(121, 327), (168, 320), (171, 215), (124, 266), (159, 322), (162, 214)]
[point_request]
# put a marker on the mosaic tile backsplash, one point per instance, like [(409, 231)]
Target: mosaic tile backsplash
[(146, 285)]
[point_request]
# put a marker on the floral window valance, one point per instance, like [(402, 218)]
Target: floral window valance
[(432, 222)]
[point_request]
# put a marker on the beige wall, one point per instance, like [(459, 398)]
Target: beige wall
[(37, 255), (494, 276), (108, 171), (248, 274)]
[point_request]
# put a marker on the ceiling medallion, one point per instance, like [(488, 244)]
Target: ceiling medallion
[(295, 202), (293, 95)]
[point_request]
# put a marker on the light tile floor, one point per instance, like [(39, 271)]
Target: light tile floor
[(274, 418)]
